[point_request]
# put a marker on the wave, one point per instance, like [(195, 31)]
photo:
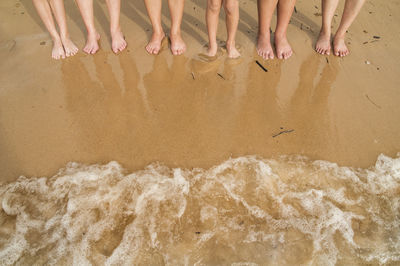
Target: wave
[(244, 211)]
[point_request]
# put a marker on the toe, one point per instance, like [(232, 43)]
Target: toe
[(271, 55), (285, 55)]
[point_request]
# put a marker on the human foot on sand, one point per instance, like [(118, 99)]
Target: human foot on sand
[(178, 46), (339, 47), (58, 50), (118, 41), (323, 45), (232, 51), (154, 46), (92, 43), (69, 47), (283, 48), (264, 47), (212, 49)]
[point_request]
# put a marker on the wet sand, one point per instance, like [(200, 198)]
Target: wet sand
[(184, 112)]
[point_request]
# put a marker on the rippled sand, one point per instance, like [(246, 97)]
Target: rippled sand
[(171, 125)]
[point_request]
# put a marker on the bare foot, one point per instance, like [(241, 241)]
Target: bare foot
[(264, 48), (232, 51), (323, 45), (58, 50), (118, 42), (339, 47), (212, 49), (92, 43), (154, 46), (283, 48), (178, 46), (69, 47)]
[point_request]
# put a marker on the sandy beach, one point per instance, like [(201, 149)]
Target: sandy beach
[(190, 112)]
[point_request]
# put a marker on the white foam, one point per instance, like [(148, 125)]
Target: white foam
[(98, 215)]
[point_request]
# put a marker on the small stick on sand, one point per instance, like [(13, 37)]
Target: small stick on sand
[(193, 75), (221, 76), (262, 67), (366, 95), (283, 132)]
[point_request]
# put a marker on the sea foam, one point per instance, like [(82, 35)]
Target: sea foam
[(244, 211)]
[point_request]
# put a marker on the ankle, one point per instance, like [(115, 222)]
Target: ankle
[(92, 33), (212, 44), (340, 35), (115, 30), (175, 33), (264, 34), (280, 35), (158, 33), (56, 39), (64, 36), (230, 43), (325, 33)]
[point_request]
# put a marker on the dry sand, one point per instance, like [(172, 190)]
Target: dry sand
[(136, 109)]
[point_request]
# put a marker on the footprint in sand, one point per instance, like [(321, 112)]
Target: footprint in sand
[(8, 45)]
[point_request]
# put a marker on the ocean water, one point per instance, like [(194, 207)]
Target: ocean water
[(244, 211)]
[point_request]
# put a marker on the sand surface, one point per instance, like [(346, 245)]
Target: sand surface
[(256, 201), (186, 112)]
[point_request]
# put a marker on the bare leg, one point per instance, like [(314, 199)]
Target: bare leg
[(154, 11), (265, 12), (285, 11), (323, 45), (118, 40), (232, 21), (178, 46), (59, 13), (44, 10), (212, 17), (86, 9), (351, 10)]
